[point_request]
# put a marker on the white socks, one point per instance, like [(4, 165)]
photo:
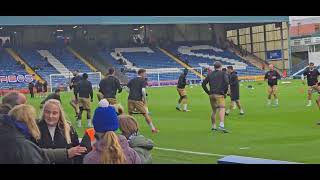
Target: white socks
[(228, 111), (277, 101), (234, 105), (90, 123), (269, 101), (222, 124), (152, 126), (241, 111), (185, 107), (179, 106), (309, 103), (79, 123)]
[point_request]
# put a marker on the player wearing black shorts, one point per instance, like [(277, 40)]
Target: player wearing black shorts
[(272, 77), (181, 88), (234, 90), (312, 75)]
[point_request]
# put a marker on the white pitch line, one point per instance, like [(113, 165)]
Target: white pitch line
[(190, 152)]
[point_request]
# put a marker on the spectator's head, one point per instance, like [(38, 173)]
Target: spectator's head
[(27, 114), (113, 153), (5, 108), (111, 71), (271, 67), (14, 98), (142, 73), (128, 125), (85, 76), (217, 65), (105, 118), (230, 69), (54, 116), (311, 65), (224, 69), (57, 91)]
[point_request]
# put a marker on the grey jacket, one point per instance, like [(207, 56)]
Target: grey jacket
[(143, 147)]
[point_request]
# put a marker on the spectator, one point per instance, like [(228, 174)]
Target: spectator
[(105, 120), (16, 147), (31, 86), (5, 108), (13, 99), (108, 151), (142, 145), (56, 132)]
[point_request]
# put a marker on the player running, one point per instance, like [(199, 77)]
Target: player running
[(109, 87), (272, 76), (218, 82), (312, 75), (84, 95), (181, 88), (137, 98), (73, 85)]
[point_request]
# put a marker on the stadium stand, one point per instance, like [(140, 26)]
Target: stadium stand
[(204, 55), (160, 67), (10, 67), (34, 59)]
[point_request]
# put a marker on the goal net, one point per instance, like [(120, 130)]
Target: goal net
[(169, 76), (62, 81)]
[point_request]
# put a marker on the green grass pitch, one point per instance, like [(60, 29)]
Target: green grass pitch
[(288, 132)]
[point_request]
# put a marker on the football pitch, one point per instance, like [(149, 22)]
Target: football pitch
[(287, 132)]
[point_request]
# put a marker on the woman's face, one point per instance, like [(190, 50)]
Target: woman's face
[(51, 114)]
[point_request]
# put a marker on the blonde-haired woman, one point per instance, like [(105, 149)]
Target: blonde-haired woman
[(142, 145), (107, 151), (27, 114), (105, 120), (56, 132)]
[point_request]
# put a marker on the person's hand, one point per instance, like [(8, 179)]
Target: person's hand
[(76, 151)]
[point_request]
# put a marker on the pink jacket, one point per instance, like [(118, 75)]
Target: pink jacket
[(94, 157)]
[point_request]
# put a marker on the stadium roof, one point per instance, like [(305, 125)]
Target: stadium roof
[(117, 20)]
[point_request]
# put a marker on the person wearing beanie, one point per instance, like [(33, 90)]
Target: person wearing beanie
[(105, 120)]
